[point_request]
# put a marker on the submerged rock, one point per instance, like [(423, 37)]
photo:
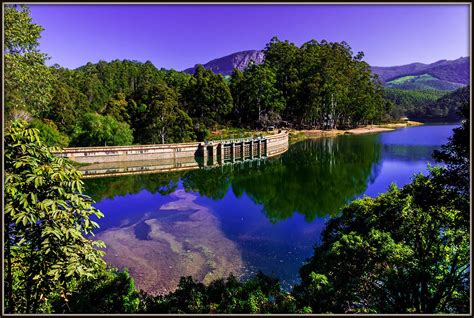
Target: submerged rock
[(190, 244)]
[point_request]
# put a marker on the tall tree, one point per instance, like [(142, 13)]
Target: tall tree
[(162, 118), (257, 94), (27, 80), (207, 99)]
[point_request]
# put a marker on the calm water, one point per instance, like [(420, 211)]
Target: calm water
[(262, 216)]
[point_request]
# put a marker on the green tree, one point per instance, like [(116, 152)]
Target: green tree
[(27, 80), (98, 130), (68, 103), (260, 294), (283, 58), (207, 99), (47, 219), (49, 133), (162, 119), (257, 94), (110, 292), (455, 154), (324, 85), (404, 251), (117, 107)]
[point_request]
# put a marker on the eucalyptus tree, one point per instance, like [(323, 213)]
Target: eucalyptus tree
[(207, 98), (283, 58), (257, 94), (162, 119)]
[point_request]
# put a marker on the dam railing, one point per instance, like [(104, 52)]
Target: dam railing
[(123, 160)]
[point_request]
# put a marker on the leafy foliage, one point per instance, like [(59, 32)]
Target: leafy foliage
[(256, 96), (323, 84), (428, 105), (27, 80), (405, 251), (456, 156), (46, 220), (261, 294), (409, 102), (99, 130), (207, 98), (161, 119), (49, 133), (109, 292), (449, 106)]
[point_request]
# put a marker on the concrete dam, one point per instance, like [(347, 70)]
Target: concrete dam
[(124, 160)]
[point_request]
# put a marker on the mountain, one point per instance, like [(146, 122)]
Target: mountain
[(451, 72), (454, 71), (225, 65), (422, 82)]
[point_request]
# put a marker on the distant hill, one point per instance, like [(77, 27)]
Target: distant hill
[(422, 82), (427, 105), (450, 73), (447, 106), (455, 71), (225, 65)]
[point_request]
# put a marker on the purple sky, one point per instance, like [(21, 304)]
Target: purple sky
[(179, 36)]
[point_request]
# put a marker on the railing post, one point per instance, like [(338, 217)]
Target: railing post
[(222, 153), (214, 154), (251, 149), (233, 151)]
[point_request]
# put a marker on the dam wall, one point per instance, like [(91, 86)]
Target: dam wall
[(213, 151)]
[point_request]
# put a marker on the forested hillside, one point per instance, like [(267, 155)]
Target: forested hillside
[(422, 82), (427, 105), (406, 251), (318, 85), (445, 108)]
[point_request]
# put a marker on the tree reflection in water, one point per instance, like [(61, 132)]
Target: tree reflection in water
[(314, 178)]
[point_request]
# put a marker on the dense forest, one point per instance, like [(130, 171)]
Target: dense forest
[(427, 105), (318, 85), (406, 251)]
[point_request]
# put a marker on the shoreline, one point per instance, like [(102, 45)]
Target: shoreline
[(297, 135)]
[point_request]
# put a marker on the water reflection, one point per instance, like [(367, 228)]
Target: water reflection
[(314, 178), (264, 215)]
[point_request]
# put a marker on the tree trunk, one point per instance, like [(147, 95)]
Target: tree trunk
[(10, 308)]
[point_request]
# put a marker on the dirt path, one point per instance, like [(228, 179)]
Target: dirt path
[(315, 133)]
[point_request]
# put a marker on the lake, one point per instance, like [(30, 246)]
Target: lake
[(264, 215)]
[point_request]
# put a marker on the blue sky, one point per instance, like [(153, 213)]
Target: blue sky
[(180, 36)]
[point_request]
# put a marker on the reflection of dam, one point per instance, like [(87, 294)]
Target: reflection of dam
[(209, 154)]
